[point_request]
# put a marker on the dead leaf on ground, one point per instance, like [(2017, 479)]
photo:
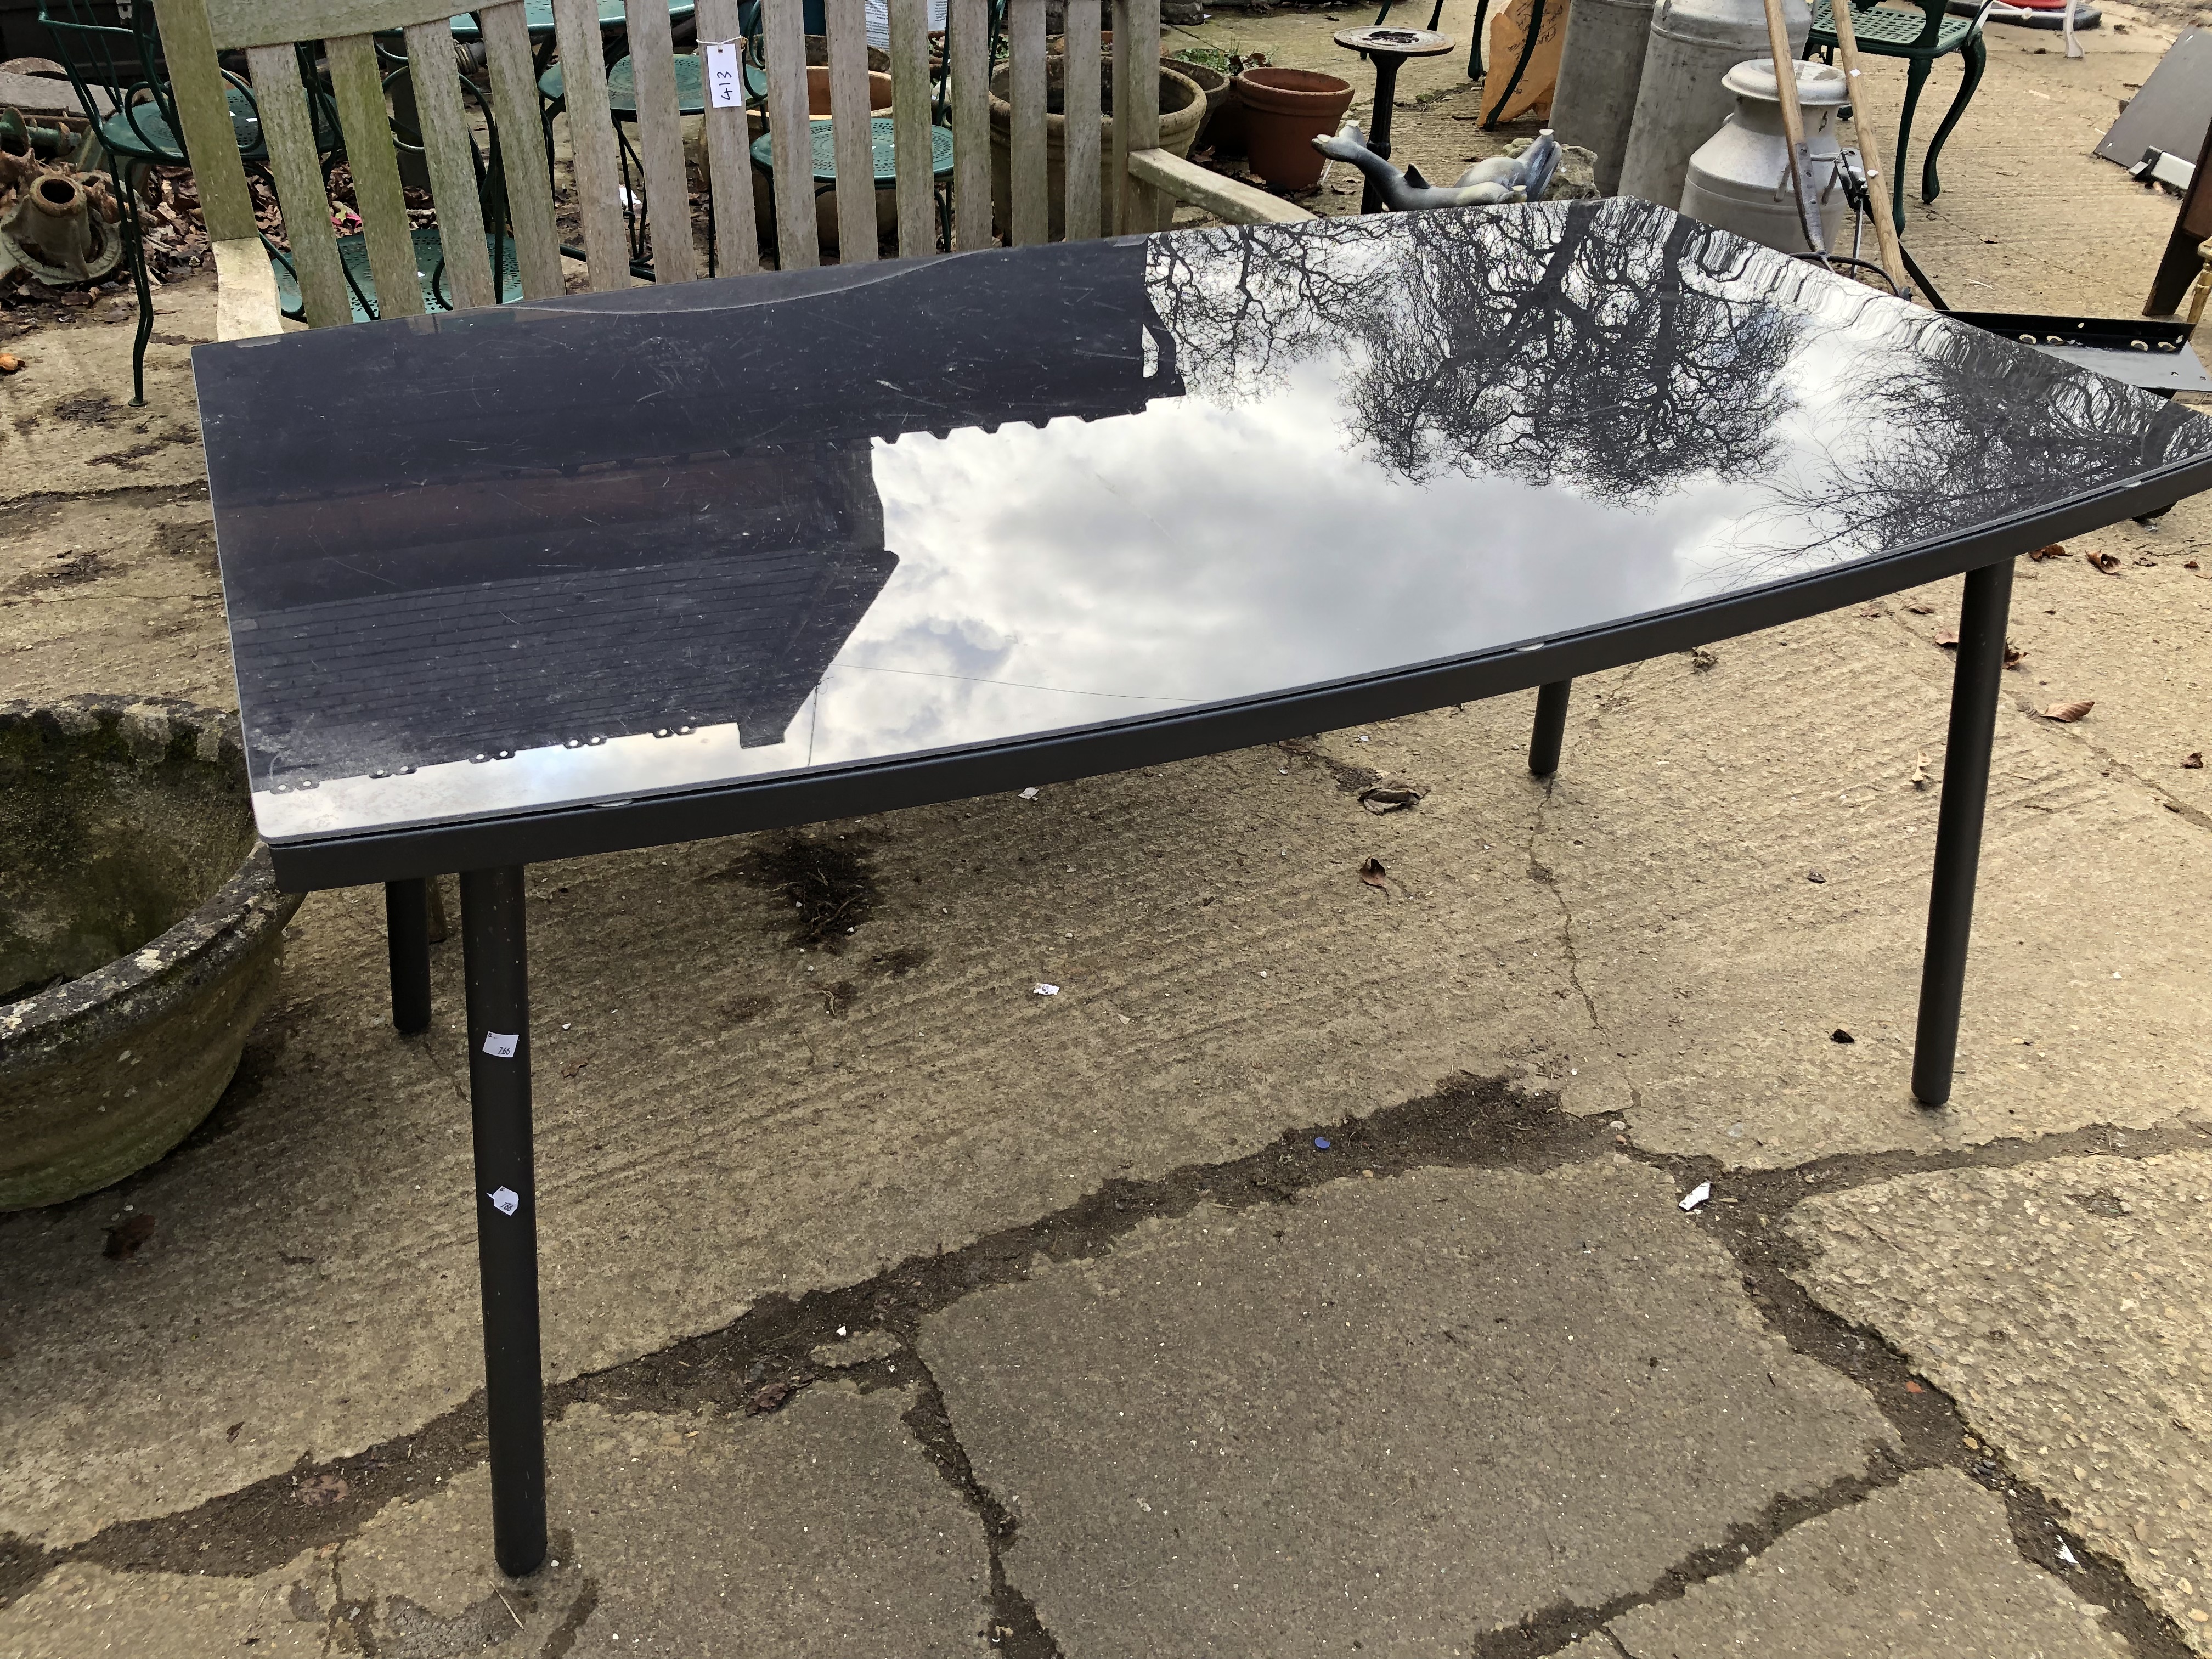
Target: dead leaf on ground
[(1371, 872), (1947, 640), (2056, 551), (1919, 779), (575, 1067), (2107, 563), (1924, 610), (2013, 655), (123, 1241), (2195, 762), (322, 1492), (2068, 712), (231, 1433), (769, 1397), (1702, 660), (1390, 795)]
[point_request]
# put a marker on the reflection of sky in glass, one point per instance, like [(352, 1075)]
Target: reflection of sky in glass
[(1250, 533)]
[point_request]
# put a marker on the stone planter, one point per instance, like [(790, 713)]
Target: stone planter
[(1182, 107), (1215, 85), (140, 932), (1284, 110)]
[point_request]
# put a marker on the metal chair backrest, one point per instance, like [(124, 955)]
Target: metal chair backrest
[(109, 60)]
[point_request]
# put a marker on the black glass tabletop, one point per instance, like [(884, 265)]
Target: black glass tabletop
[(490, 564)]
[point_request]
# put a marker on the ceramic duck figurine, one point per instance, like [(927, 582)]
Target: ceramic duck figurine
[(1522, 178)]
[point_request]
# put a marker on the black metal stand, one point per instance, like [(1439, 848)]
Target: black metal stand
[(407, 942), (1378, 134), (1551, 727), (497, 952), (1974, 683)]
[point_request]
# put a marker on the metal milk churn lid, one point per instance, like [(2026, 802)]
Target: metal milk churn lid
[(1680, 99), (1739, 180)]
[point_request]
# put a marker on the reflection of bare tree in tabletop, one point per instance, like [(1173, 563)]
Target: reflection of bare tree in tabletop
[(1933, 441), (1614, 348)]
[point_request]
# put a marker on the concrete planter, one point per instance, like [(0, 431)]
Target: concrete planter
[(140, 932), (1182, 107)]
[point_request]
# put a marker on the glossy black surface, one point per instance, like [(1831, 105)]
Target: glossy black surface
[(801, 524)]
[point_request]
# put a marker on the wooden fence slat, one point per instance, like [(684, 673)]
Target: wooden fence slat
[(1079, 100), (280, 22), (1137, 108), (523, 163), (729, 157), (1030, 222), (597, 165), (917, 230), (791, 134), (357, 86), (968, 40), (660, 140), (289, 133), (852, 131), (196, 80), (436, 75)]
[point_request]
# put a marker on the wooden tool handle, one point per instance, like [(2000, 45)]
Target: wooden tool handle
[(1885, 228)]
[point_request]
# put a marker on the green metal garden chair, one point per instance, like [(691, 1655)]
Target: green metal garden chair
[(1919, 36)]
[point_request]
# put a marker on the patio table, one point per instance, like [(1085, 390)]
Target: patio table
[(623, 570)]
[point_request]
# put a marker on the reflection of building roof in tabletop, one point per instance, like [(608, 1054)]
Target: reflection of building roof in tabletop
[(375, 680)]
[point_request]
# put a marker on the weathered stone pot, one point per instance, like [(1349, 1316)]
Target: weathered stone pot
[(1214, 84), (1182, 107), (140, 932)]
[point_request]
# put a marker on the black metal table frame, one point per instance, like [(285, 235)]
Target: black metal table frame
[(490, 855)]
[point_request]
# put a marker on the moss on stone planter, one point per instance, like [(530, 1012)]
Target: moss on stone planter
[(140, 932)]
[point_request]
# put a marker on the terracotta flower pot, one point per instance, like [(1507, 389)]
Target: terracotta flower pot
[(1182, 107), (1285, 110)]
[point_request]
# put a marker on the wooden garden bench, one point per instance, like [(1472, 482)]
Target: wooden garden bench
[(1151, 179)]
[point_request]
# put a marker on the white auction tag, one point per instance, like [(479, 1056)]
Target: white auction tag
[(505, 1199), (726, 78), (500, 1045)]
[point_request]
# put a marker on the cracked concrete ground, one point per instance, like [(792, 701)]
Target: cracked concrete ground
[(883, 1298)]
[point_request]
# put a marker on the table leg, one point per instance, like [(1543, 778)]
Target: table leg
[(1551, 727), (1378, 123), (492, 936), (1974, 689), (407, 942)]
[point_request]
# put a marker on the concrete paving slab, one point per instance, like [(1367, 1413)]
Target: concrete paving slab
[(721, 1116), (115, 590), (79, 1610), (1923, 1570), (1738, 877), (66, 426), (1400, 1413), (2058, 1302), (819, 1530)]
